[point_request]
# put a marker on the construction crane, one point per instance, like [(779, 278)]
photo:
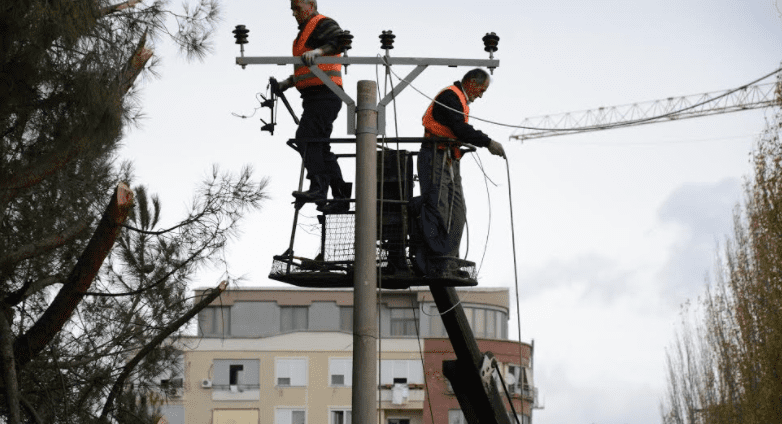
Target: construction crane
[(750, 96)]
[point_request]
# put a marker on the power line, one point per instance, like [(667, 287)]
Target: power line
[(672, 114)]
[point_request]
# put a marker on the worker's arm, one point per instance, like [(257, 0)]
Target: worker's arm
[(324, 50), (324, 41), (455, 120)]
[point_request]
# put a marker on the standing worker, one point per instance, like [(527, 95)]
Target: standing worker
[(443, 210), (318, 36)]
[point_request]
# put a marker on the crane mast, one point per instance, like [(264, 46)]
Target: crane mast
[(663, 110)]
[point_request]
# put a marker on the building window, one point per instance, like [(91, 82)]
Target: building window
[(513, 379), (485, 323), (455, 416), (215, 321), (172, 386), (341, 372), (436, 328), (403, 322), (293, 318), (291, 372), (527, 388), (479, 323), (290, 416), (346, 318), (491, 325), (233, 374), (409, 371), (399, 421), (341, 417), (236, 375)]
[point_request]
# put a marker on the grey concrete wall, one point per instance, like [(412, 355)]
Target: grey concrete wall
[(324, 316)]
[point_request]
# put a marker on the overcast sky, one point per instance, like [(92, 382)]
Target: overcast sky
[(614, 229)]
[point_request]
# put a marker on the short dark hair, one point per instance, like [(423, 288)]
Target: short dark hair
[(478, 75)]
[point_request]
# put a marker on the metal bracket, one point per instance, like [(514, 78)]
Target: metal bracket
[(342, 95), (381, 106), (420, 64), (487, 369)]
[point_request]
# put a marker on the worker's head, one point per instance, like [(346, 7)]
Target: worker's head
[(304, 9), (475, 83)]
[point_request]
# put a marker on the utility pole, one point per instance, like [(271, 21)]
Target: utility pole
[(366, 120), (365, 328)]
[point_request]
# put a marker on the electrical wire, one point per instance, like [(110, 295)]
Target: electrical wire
[(507, 393), (254, 110), (421, 351), (515, 265), (486, 180), (401, 195), (598, 127), (443, 313)]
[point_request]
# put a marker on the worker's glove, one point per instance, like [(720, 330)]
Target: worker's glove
[(310, 56), (496, 149)]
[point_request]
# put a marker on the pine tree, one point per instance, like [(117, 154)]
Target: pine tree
[(93, 295)]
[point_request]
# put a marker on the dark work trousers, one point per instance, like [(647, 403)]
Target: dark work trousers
[(320, 110), (443, 212)]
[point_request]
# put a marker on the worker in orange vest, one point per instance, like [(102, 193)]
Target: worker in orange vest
[(318, 36), (446, 126)]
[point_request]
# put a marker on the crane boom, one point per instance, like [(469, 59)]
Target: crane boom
[(663, 110)]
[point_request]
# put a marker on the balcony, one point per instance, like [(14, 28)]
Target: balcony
[(236, 392), (402, 396)]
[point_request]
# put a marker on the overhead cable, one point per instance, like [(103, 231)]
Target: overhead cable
[(595, 127)]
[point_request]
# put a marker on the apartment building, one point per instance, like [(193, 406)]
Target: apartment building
[(284, 356)]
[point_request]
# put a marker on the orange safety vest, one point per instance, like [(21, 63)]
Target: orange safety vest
[(302, 77), (438, 131)]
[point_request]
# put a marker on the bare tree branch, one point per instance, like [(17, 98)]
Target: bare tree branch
[(31, 409), (117, 7)]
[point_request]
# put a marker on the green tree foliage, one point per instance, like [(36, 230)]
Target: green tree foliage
[(727, 366), (67, 73)]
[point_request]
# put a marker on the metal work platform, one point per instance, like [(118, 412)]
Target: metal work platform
[(397, 240)]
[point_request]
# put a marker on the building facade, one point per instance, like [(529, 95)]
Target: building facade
[(284, 356)]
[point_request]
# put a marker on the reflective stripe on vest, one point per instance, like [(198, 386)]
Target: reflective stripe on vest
[(302, 77), (438, 131)]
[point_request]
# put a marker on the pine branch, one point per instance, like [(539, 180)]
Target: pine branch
[(72, 148), (59, 312), (42, 246), (116, 390), (117, 7)]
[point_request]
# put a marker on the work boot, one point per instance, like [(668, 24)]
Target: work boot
[(317, 191), (340, 190)]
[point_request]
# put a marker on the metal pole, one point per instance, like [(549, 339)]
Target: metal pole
[(365, 328)]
